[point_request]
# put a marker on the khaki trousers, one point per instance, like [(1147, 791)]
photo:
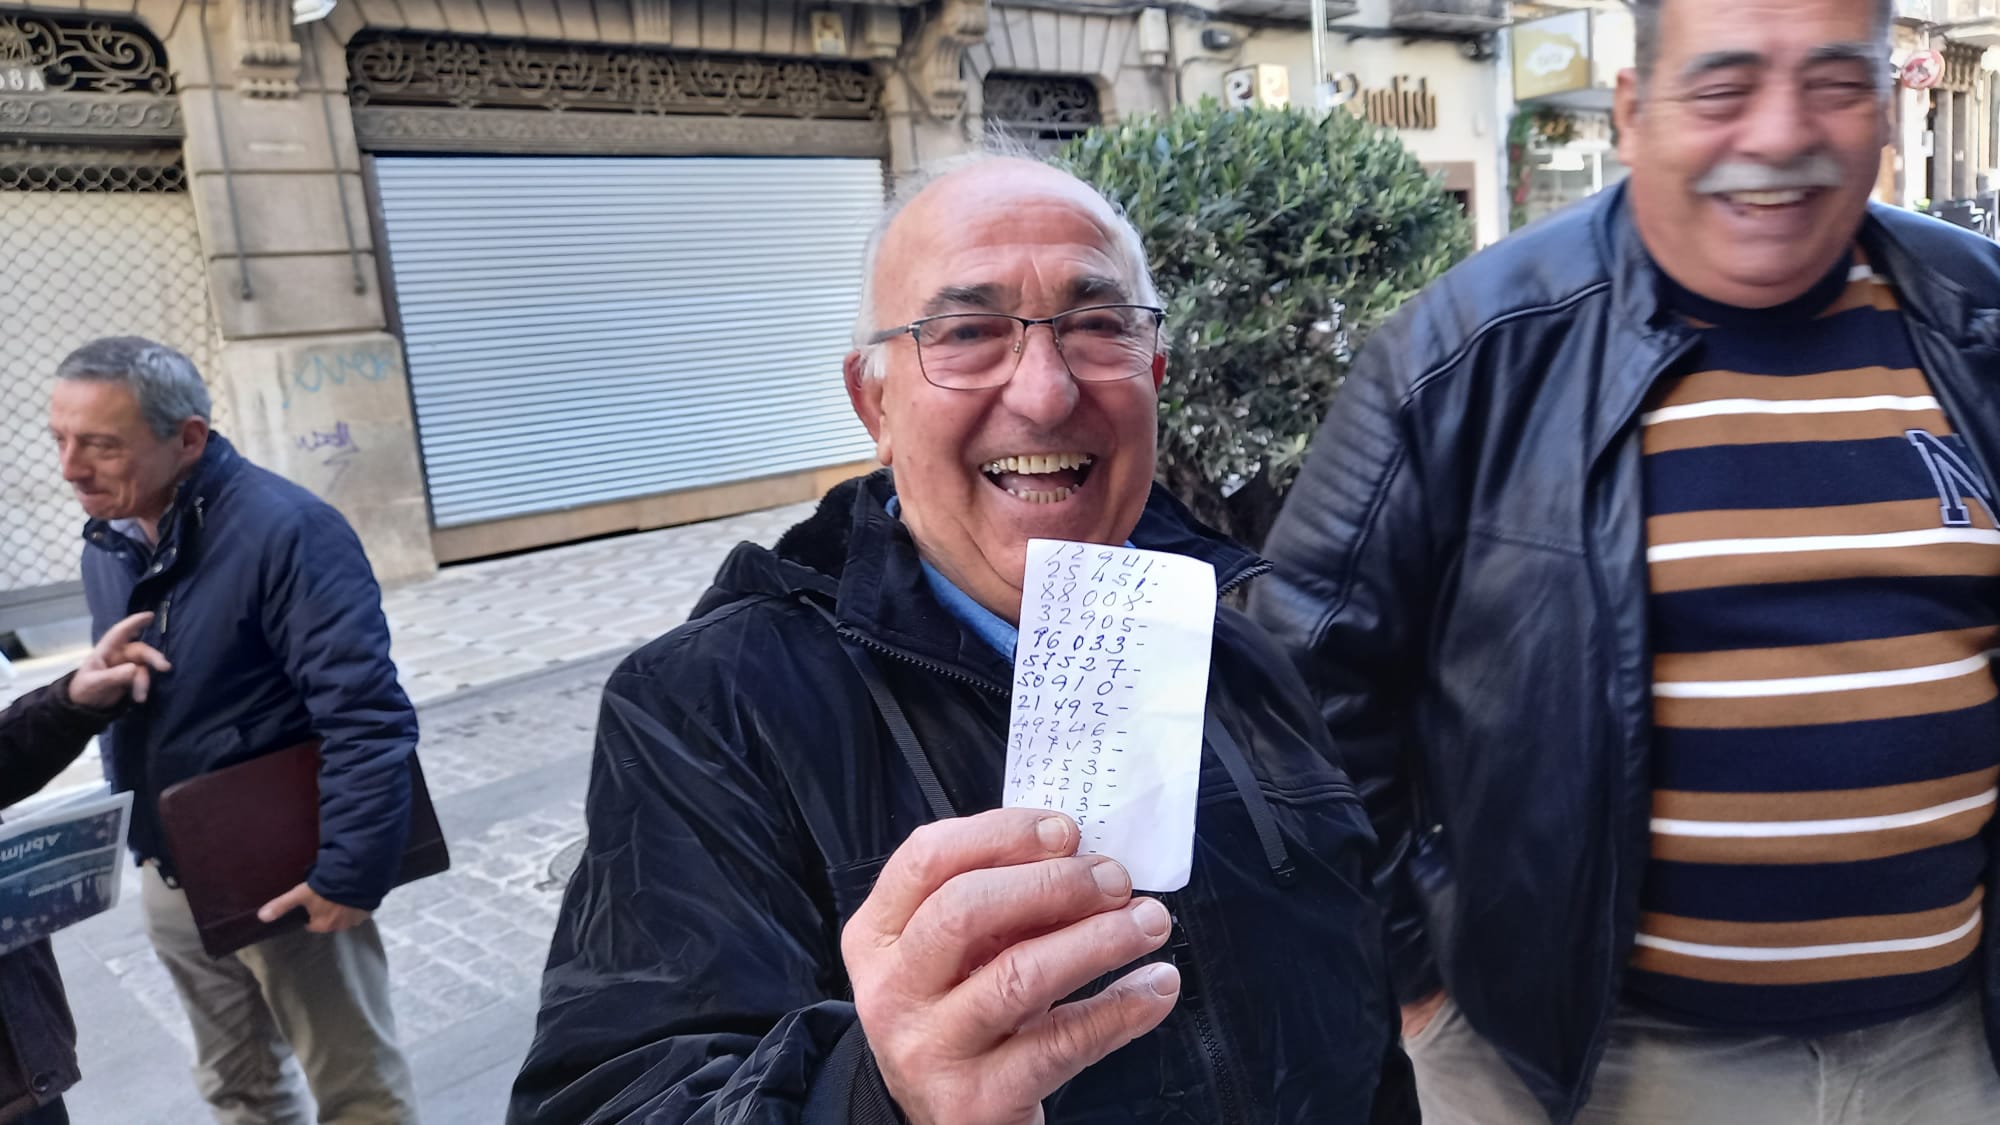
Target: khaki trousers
[(302, 1001), (1931, 1068)]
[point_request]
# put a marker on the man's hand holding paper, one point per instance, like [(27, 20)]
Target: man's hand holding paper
[(976, 928)]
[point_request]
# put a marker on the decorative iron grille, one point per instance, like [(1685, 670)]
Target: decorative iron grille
[(59, 54), (32, 167), (1042, 111), (414, 70)]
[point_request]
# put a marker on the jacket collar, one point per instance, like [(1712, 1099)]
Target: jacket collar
[(1653, 337), (219, 462), (852, 553)]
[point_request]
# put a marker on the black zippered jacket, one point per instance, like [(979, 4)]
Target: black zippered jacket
[(745, 794)]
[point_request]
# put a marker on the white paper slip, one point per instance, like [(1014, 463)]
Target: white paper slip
[(1110, 686)]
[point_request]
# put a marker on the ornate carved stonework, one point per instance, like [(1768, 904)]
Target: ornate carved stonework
[(267, 55), (937, 55), (484, 74), (1962, 72), (89, 115), (83, 56), (532, 131), (63, 78)]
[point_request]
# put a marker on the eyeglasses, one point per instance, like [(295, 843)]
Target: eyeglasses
[(978, 351)]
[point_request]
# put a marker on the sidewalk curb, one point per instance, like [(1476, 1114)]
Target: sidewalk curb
[(608, 657)]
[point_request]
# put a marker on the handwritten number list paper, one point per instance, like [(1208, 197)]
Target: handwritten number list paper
[(1110, 684)]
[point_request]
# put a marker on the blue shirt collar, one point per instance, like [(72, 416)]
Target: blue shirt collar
[(984, 623)]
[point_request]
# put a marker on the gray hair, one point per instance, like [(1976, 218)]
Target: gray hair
[(165, 383), (1128, 245), (1646, 37)]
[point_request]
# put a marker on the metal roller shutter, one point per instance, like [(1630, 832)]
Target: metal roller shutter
[(583, 330)]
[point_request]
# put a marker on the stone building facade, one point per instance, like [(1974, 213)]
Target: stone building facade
[(403, 243)]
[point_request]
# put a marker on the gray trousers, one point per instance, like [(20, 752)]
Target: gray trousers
[(317, 1002), (1932, 1068)]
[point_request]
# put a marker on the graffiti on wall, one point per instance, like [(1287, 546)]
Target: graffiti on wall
[(337, 445), (314, 371)]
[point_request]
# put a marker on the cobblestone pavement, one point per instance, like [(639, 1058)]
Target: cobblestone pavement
[(506, 660), (482, 623)]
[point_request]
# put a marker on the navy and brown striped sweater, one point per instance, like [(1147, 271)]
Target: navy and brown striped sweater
[(1823, 556)]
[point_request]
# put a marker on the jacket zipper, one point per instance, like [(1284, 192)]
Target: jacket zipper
[(1195, 995), (1600, 1035), (1255, 570), (927, 665)]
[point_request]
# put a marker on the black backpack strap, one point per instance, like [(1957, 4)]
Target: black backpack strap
[(848, 1089), (892, 715), (1252, 795)]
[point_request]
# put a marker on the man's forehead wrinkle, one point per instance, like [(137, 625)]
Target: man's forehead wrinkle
[(1709, 62)]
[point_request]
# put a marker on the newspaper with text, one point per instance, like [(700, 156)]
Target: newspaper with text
[(60, 864)]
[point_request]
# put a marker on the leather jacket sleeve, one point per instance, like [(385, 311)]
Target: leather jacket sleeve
[(694, 975), (1350, 600), (41, 733)]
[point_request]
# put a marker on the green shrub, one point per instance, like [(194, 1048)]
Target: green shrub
[(1279, 241)]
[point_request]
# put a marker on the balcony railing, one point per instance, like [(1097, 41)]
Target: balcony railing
[(1288, 10), (1468, 16)]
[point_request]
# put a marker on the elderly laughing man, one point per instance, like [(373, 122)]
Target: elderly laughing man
[(772, 923)]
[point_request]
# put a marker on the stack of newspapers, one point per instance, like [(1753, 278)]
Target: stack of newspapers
[(60, 863)]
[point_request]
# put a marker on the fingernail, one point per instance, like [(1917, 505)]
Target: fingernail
[(1111, 878), (1152, 918), (1163, 979), (1053, 831)]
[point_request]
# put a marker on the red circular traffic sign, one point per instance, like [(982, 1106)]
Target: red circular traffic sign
[(1924, 70)]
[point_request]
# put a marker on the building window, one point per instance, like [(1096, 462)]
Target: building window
[(1042, 111)]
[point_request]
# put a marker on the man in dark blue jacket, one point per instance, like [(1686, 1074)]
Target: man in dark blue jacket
[(1647, 572), (267, 606)]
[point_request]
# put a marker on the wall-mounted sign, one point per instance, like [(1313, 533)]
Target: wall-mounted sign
[(829, 33), (1404, 105), (15, 78), (1552, 55), (1266, 84), (1924, 70)]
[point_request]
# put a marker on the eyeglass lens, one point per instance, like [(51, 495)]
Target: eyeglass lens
[(980, 350)]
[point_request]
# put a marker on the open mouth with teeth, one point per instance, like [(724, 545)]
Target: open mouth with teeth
[(1764, 202), (1040, 478)]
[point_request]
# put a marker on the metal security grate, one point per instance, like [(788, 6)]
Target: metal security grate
[(95, 243), (1042, 111), (26, 167)]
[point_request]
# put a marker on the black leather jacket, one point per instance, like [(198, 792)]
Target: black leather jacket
[(1462, 579), (745, 795), (41, 733)]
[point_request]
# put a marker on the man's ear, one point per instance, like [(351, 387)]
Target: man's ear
[(1159, 370), (865, 394), (1626, 105), (193, 440)]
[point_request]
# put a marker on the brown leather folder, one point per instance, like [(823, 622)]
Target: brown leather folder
[(244, 834)]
